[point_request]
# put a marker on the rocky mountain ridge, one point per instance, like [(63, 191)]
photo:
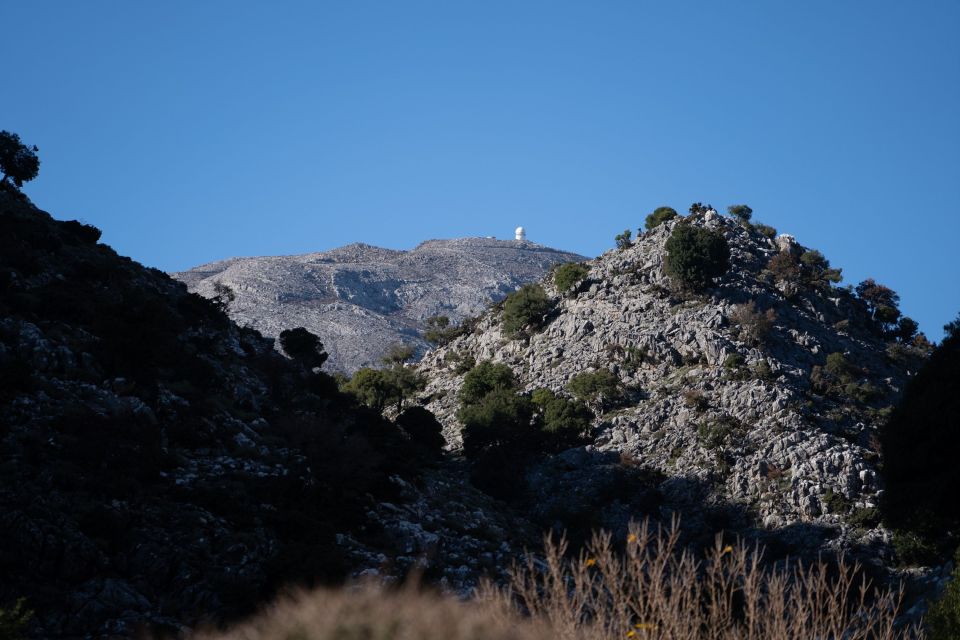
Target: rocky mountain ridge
[(759, 423), (360, 299), (164, 467)]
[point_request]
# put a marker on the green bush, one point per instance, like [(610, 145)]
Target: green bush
[(423, 428), (568, 274), (695, 256), (943, 618), (740, 211), (598, 388), (498, 419), (659, 216), (733, 361), (765, 230), (485, 378), (914, 549), (525, 307), (462, 362), (623, 239), (563, 420)]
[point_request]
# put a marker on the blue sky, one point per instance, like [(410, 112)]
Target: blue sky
[(193, 131)]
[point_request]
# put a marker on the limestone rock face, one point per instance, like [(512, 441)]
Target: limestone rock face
[(742, 419), (360, 299)]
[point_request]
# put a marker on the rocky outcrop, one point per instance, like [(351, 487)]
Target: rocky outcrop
[(162, 466), (361, 299), (740, 421)]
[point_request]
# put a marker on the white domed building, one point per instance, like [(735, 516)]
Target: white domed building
[(520, 234)]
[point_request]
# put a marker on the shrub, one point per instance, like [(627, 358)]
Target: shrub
[(816, 270), (223, 297), (598, 388), (303, 347), (695, 256), (525, 307), (882, 303), (423, 428), (784, 267), (462, 362), (85, 233), (397, 354), (695, 399), (753, 326), (501, 418), (733, 361), (485, 378), (657, 588), (943, 619), (765, 230), (741, 212), (838, 366), (370, 387), (18, 162), (568, 274), (700, 208), (659, 216), (439, 331), (623, 239), (565, 421)]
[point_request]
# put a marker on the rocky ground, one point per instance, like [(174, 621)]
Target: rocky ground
[(361, 299)]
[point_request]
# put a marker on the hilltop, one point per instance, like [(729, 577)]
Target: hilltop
[(752, 406), (361, 299)]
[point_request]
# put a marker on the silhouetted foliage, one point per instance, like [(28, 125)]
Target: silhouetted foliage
[(524, 308), (882, 302), (952, 328), (303, 347), (659, 216), (695, 256), (18, 162), (816, 270), (765, 230), (14, 619), (223, 297), (700, 208), (568, 274), (423, 428), (564, 422), (921, 446)]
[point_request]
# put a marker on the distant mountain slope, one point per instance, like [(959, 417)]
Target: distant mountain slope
[(360, 299)]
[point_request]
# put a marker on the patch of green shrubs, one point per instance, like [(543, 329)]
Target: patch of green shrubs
[(569, 274), (659, 216), (525, 308), (695, 256)]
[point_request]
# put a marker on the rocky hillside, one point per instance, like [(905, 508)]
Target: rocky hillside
[(162, 466), (361, 299), (768, 412)]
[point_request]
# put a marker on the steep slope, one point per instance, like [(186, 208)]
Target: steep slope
[(724, 414), (361, 299), (162, 465)]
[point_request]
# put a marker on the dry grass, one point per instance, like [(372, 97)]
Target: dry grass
[(651, 590)]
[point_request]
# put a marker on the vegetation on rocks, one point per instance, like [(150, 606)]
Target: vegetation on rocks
[(695, 256), (569, 274), (525, 308), (659, 216)]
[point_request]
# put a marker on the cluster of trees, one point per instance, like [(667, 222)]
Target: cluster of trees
[(503, 428), (390, 386)]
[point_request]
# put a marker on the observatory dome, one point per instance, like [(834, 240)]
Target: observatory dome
[(520, 233)]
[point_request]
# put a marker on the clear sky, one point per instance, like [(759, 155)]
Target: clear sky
[(192, 131)]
